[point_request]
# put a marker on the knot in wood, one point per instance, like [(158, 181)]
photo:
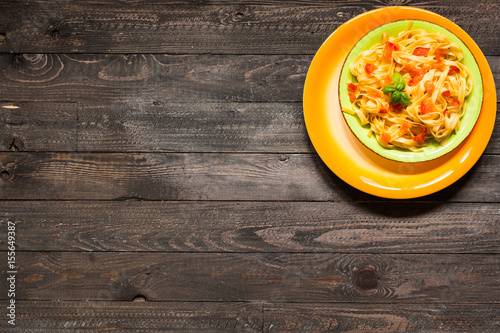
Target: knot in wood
[(366, 279), (6, 175), (139, 298), (283, 157), (55, 34)]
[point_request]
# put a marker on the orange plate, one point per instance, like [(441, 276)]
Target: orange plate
[(351, 160)]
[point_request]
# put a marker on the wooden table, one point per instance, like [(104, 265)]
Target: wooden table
[(157, 169)]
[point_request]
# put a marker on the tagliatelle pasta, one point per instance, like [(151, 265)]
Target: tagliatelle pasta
[(410, 88)]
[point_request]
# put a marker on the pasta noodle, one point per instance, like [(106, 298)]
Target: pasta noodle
[(425, 100)]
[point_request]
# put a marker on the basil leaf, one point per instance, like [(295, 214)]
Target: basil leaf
[(389, 89), (397, 79), (405, 99), (395, 97), (400, 86)]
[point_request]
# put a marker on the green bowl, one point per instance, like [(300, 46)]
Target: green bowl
[(433, 149)]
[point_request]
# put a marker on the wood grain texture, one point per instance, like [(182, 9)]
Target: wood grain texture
[(193, 127), (32, 126), (68, 316), (64, 316), (164, 176), (298, 277), (242, 28), (162, 127), (201, 127), (414, 318), (397, 227), (149, 78)]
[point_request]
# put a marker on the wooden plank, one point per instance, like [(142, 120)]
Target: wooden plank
[(395, 227), (42, 126), (149, 78), (193, 127), (64, 316), (415, 318), (161, 127), (164, 176), (153, 78), (243, 28), (297, 277), (174, 127), (201, 127)]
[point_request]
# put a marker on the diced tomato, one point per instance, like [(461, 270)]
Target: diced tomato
[(429, 86), (389, 48), (446, 94), (411, 82), (420, 138), (387, 80), (351, 88), (406, 125), (455, 102), (425, 107), (382, 111), (421, 51), (369, 68), (414, 72), (385, 138), (417, 75), (395, 108), (406, 69), (453, 70), (439, 65), (374, 93), (444, 112), (440, 53)]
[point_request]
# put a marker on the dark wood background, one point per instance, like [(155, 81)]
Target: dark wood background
[(160, 175)]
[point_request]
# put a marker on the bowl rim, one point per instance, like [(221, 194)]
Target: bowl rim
[(408, 159)]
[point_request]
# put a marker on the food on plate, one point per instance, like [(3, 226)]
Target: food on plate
[(410, 89)]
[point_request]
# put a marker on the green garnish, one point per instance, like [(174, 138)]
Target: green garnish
[(396, 90)]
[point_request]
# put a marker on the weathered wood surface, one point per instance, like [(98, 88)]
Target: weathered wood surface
[(69, 316), (248, 27), (199, 103), (149, 78), (276, 277), (208, 176), (253, 226), (202, 127), (43, 316), (193, 127), (32, 126), (161, 127), (415, 318)]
